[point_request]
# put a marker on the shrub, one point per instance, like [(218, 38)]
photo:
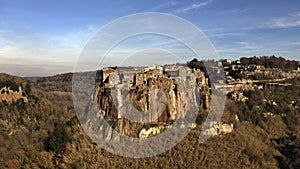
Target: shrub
[(11, 84)]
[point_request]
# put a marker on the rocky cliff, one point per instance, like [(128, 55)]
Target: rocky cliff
[(156, 96)]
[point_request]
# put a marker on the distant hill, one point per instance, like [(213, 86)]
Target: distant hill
[(32, 79), (272, 62), (61, 82)]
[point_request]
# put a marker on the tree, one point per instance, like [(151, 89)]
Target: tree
[(58, 139), (27, 88)]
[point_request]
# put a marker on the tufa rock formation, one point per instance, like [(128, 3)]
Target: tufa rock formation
[(129, 98)]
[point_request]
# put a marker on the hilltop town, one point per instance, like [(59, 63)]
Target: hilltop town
[(239, 78), (259, 125)]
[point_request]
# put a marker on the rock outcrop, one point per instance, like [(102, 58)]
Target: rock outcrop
[(153, 95), (9, 95)]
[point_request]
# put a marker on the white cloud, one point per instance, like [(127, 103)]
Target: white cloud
[(293, 43), (234, 11), (164, 5), (41, 54), (293, 20), (4, 31), (249, 45), (244, 48), (285, 24), (193, 7), (231, 34)]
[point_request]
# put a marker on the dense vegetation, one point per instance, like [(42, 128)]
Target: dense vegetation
[(25, 126), (44, 132), (58, 139), (271, 62), (60, 82), (11, 84), (281, 103)]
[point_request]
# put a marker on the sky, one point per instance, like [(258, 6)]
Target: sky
[(41, 38)]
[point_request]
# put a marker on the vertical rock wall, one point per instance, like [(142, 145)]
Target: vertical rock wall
[(164, 98)]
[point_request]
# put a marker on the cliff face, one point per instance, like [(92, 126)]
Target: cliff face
[(155, 95)]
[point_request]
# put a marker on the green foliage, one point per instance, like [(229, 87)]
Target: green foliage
[(149, 125), (140, 96), (195, 64), (259, 102), (28, 88), (289, 146), (255, 98), (61, 82), (73, 121), (271, 62), (111, 123), (291, 120), (75, 165), (58, 139), (20, 104), (9, 83)]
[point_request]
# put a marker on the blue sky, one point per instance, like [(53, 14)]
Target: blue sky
[(46, 37)]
